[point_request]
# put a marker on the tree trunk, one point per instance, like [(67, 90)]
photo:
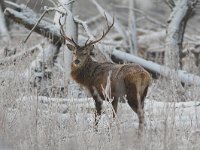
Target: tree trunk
[(177, 21), (71, 31), (47, 57), (132, 28), (175, 31)]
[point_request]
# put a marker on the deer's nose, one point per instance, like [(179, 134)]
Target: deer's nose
[(77, 61)]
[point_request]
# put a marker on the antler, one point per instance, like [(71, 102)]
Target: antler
[(103, 35), (62, 33)]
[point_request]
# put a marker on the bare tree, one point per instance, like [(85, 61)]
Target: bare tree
[(41, 67), (181, 10)]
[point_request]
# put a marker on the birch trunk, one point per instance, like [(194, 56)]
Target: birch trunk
[(132, 28), (177, 21), (71, 31), (42, 66), (175, 31)]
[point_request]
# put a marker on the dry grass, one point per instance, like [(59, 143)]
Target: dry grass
[(31, 122), (28, 121)]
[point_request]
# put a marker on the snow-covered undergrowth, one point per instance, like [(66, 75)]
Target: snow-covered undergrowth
[(34, 122), (31, 122)]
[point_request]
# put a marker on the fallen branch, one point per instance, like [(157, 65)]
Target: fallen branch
[(185, 77), (25, 16), (43, 14), (150, 37), (20, 56), (153, 37)]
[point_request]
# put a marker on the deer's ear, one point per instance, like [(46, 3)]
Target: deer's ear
[(71, 47), (90, 48)]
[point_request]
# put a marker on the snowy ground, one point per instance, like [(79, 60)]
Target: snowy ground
[(52, 123)]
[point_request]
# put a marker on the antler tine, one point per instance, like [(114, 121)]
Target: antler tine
[(104, 33), (62, 32), (86, 42)]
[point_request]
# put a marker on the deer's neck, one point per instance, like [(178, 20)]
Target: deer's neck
[(84, 74)]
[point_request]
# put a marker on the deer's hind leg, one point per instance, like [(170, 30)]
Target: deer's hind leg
[(134, 101), (114, 105), (140, 113), (118, 92)]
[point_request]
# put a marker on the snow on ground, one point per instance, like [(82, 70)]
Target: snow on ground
[(182, 114), (36, 122)]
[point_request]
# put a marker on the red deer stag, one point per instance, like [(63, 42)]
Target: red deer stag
[(126, 80)]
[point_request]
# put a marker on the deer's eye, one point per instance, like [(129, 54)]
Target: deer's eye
[(77, 61)]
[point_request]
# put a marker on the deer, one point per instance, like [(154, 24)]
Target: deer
[(130, 81)]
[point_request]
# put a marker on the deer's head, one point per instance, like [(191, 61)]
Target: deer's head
[(82, 53)]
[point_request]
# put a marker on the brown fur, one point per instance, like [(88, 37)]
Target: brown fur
[(129, 80)]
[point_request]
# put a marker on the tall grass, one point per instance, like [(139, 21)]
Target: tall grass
[(30, 121)]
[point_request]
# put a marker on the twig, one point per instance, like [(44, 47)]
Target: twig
[(170, 3), (117, 25), (66, 8), (107, 43), (43, 14), (52, 2), (85, 26), (93, 19), (144, 14)]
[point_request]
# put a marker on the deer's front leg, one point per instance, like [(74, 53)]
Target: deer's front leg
[(98, 105)]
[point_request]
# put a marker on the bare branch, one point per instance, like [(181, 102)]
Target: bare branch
[(144, 14), (104, 33), (85, 26), (93, 19), (117, 24), (170, 3), (43, 14), (28, 18)]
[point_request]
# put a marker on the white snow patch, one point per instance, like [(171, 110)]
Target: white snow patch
[(180, 114)]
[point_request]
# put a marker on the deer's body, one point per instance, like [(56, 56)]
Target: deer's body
[(128, 81), (94, 75)]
